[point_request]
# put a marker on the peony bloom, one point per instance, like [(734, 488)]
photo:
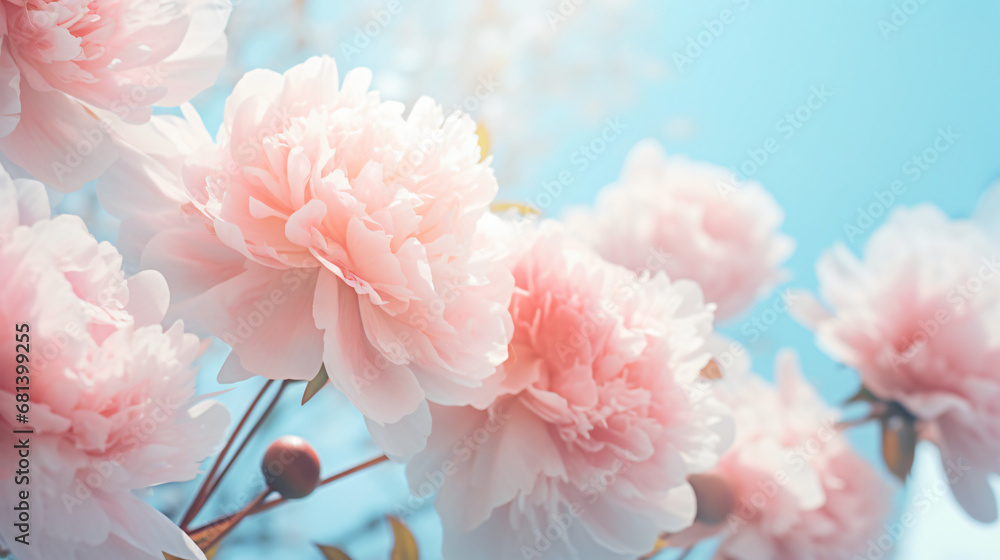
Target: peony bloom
[(325, 227), (587, 454), (918, 316), (72, 70), (791, 487), (691, 220), (110, 391)]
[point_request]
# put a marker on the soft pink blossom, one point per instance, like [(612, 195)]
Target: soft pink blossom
[(918, 316), (587, 455), (325, 227), (110, 391), (693, 221), (72, 70), (797, 490)]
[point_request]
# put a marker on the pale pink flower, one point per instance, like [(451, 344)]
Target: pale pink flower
[(693, 221), (987, 214), (111, 392), (71, 71), (918, 316), (325, 227), (587, 455), (793, 487)]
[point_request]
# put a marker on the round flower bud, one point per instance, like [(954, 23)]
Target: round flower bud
[(714, 496), (291, 467)]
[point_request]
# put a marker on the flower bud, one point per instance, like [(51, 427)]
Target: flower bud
[(714, 496), (291, 467)]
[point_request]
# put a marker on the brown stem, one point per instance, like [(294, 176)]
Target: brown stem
[(200, 497), (246, 440), (198, 533), (353, 470), (235, 521), (845, 424)]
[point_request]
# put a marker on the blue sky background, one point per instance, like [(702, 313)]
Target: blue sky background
[(894, 89)]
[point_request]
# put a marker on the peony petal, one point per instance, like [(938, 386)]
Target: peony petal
[(10, 90), (149, 297), (971, 489), (404, 439), (259, 313), (59, 140), (383, 391), (199, 58)]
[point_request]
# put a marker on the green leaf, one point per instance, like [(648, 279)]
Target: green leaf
[(316, 384), (406, 546), (333, 553), (899, 444)]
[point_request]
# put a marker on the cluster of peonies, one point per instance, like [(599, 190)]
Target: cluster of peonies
[(73, 72), (918, 316), (791, 487), (322, 226), (111, 391), (547, 381)]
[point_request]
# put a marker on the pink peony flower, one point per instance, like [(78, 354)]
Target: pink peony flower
[(791, 487), (324, 227), (588, 452), (693, 221), (72, 70), (110, 392), (917, 316)]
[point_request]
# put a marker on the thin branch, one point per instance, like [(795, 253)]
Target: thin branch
[(246, 440), (199, 497), (846, 424), (236, 520), (195, 534)]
